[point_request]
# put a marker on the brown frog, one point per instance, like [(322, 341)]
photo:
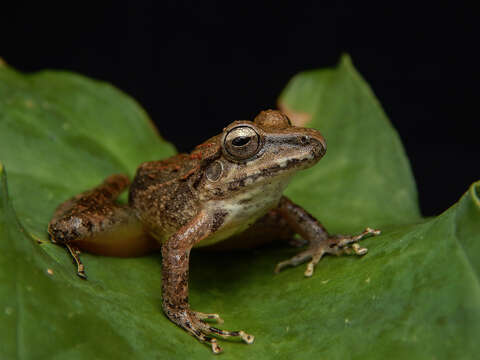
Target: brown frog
[(229, 188)]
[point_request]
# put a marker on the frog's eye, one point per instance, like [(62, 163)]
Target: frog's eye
[(242, 142)]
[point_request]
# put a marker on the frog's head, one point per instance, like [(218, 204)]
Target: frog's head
[(264, 150)]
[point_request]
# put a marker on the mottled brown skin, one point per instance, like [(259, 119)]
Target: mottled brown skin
[(227, 191)]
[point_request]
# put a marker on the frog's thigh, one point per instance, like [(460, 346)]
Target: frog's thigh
[(94, 222), (271, 227), (111, 230), (118, 234)]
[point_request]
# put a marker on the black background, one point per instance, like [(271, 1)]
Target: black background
[(196, 66)]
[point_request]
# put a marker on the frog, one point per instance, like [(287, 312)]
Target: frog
[(228, 190)]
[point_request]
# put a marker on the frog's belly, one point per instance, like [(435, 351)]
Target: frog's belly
[(242, 211)]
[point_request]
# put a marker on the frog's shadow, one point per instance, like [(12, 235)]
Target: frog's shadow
[(226, 271)]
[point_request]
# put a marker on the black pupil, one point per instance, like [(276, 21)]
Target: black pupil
[(241, 140)]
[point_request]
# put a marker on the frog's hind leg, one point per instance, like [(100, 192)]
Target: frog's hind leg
[(92, 221)]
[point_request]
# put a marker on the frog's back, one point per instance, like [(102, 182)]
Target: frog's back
[(161, 196), (163, 172)]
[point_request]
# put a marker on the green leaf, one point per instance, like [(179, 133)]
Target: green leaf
[(63, 133), (415, 295)]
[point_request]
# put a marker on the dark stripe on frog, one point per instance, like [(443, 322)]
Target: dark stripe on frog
[(282, 140), (235, 185)]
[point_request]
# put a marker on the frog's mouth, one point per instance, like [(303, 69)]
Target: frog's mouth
[(280, 170), (290, 165)]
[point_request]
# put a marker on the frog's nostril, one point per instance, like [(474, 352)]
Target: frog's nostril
[(319, 144)]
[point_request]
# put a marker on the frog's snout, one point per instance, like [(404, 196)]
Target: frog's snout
[(321, 144), (315, 140)]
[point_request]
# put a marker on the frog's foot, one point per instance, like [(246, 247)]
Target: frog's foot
[(194, 322), (75, 254), (335, 245)]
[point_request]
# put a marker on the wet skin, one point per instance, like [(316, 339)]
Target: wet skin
[(225, 192)]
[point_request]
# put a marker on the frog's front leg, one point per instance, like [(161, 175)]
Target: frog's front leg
[(320, 242), (175, 265)]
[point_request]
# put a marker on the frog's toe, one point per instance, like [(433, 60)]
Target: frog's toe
[(205, 334), (75, 254), (246, 338), (200, 329), (205, 317), (216, 349), (338, 243), (313, 253), (299, 259), (348, 244)]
